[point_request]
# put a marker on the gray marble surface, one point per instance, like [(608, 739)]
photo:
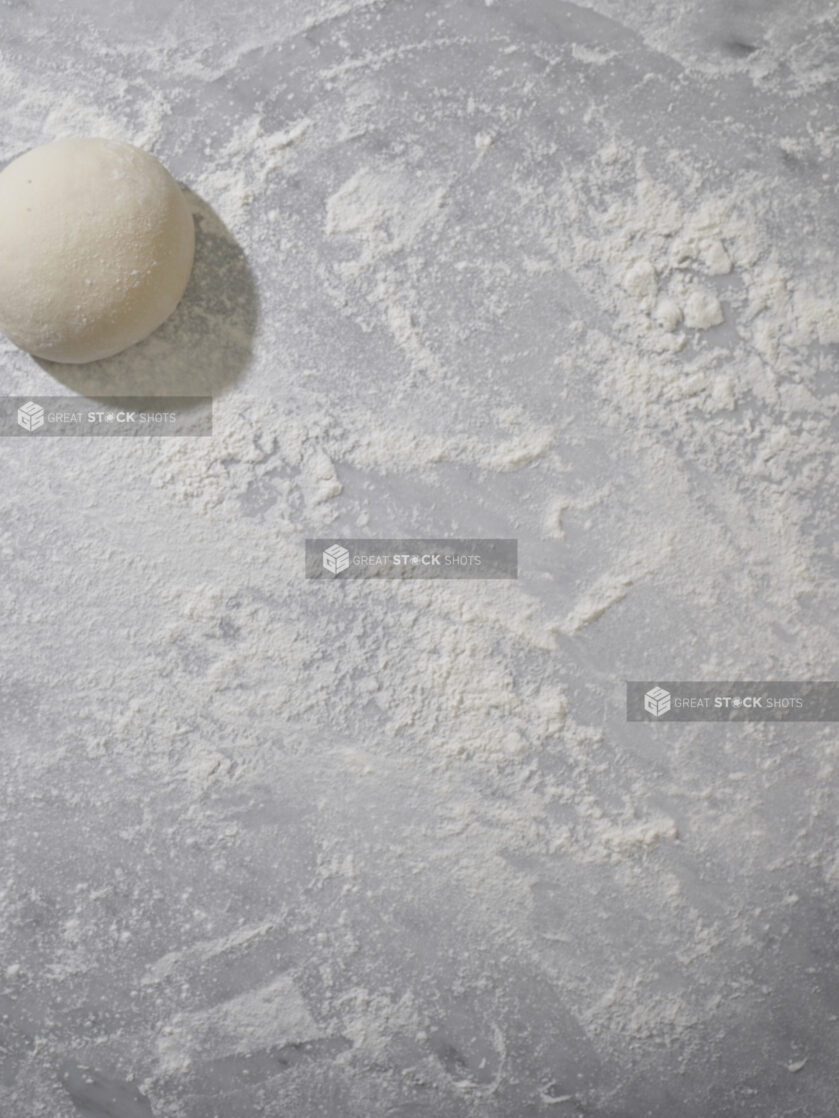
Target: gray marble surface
[(256, 859)]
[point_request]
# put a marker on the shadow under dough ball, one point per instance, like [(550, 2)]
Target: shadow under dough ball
[(96, 248)]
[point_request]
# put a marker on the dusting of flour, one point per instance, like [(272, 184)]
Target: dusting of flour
[(393, 849)]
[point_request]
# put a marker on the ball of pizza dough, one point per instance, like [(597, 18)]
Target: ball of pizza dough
[(96, 248)]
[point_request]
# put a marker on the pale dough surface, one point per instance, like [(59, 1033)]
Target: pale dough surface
[(96, 248)]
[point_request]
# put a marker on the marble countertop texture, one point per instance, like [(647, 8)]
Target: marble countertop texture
[(264, 853)]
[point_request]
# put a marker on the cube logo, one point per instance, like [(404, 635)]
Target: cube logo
[(336, 559), (657, 702), (30, 416)]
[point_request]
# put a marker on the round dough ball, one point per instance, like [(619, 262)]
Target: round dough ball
[(96, 248)]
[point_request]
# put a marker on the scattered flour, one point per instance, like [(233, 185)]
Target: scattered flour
[(470, 322)]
